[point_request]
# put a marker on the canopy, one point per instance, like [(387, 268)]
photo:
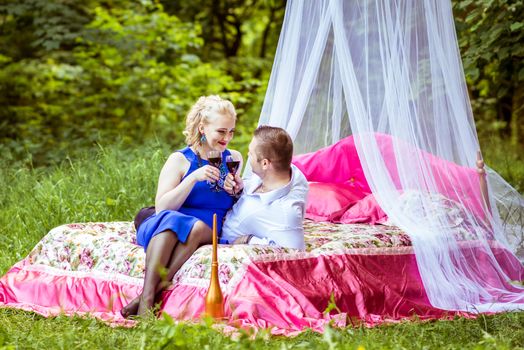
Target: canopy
[(391, 70)]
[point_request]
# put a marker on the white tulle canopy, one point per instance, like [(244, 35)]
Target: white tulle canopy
[(371, 68)]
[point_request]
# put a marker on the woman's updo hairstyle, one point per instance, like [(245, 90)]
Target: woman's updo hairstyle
[(202, 112)]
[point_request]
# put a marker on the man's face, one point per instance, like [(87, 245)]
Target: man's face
[(255, 164)]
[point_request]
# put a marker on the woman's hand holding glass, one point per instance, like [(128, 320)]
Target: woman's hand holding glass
[(215, 159), (207, 173)]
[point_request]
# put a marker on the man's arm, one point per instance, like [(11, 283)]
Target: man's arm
[(287, 239), (288, 233), (284, 227)]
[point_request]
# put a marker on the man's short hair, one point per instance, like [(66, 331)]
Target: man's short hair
[(274, 144)]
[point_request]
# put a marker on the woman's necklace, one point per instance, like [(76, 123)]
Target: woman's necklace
[(218, 185), (199, 159)]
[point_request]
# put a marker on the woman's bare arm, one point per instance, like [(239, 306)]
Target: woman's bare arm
[(172, 191)]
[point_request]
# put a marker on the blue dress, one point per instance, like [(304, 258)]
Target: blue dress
[(201, 203)]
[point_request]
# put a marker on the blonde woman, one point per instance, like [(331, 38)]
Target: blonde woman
[(189, 191)]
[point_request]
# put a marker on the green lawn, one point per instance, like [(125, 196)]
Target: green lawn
[(111, 185), (23, 330)]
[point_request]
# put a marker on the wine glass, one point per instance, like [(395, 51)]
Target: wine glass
[(232, 165), (215, 159)]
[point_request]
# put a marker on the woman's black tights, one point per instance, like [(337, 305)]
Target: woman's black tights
[(165, 255)]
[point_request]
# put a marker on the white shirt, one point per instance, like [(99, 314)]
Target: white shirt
[(274, 218)]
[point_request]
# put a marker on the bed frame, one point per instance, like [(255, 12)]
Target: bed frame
[(483, 182)]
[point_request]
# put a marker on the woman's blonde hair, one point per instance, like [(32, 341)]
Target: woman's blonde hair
[(201, 113)]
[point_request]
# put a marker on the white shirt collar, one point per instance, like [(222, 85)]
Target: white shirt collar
[(268, 197)]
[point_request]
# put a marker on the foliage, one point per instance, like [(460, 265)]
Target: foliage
[(234, 28), (491, 33), (77, 74), (130, 74), (34, 28), (131, 68)]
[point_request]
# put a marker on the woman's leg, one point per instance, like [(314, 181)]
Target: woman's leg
[(200, 234), (158, 254), (131, 309)]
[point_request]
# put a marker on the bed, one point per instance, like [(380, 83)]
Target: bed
[(350, 273), (364, 273)]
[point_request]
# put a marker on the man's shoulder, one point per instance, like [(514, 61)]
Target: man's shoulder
[(299, 186), (295, 200), (299, 179)]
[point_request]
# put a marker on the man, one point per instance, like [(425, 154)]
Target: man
[(271, 207)]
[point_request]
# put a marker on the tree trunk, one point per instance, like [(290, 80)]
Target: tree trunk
[(265, 34), (517, 114)]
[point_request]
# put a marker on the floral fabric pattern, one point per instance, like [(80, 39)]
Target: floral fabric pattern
[(104, 247), (110, 248), (323, 237)]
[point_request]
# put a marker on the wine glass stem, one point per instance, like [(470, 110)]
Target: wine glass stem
[(234, 192)]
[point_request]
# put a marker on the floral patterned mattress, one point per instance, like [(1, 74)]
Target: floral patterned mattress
[(110, 248), (370, 271)]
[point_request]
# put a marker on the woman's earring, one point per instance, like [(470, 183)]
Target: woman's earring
[(203, 138)]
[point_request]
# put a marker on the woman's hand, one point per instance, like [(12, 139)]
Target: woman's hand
[(233, 185), (206, 173)]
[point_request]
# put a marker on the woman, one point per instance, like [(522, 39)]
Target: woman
[(189, 192)]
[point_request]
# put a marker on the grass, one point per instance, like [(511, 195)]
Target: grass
[(24, 330), (111, 185), (506, 159)]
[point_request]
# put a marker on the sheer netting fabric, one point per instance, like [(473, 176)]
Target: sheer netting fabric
[(389, 74)]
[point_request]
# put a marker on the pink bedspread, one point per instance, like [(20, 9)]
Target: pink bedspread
[(96, 269)]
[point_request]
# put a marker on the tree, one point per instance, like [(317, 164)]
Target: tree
[(491, 37), (128, 74)]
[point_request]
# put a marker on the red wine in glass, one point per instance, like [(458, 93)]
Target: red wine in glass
[(232, 166), (214, 158), (215, 161)]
